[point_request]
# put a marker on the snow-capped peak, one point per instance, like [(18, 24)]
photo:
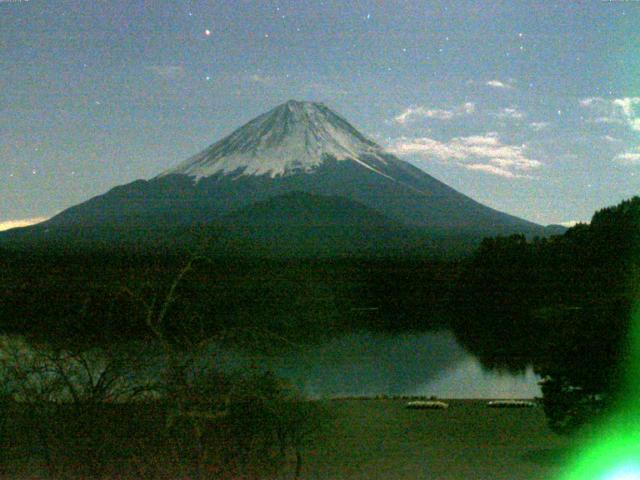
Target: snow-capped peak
[(293, 137)]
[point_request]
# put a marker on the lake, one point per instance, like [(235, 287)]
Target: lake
[(367, 364), (370, 364)]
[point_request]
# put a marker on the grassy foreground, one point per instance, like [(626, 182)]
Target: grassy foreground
[(363, 439), (381, 439)]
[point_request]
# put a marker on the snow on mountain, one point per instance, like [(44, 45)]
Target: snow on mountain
[(294, 137), (297, 147)]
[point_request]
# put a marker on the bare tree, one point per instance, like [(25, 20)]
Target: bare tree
[(242, 425), (64, 393)]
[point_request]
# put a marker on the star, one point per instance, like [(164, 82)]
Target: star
[(207, 32)]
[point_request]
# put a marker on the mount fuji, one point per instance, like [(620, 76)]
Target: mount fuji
[(299, 164)]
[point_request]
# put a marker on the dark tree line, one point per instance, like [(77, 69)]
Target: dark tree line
[(96, 403), (561, 304), (86, 293)]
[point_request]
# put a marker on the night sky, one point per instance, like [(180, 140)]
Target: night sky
[(531, 107)]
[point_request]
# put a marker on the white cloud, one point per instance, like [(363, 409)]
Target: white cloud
[(570, 223), (510, 113), (426, 147), (588, 102), (537, 126), (629, 158), (492, 169), (468, 108), (627, 105), (624, 110), (412, 114), (169, 72), (477, 152), (499, 84), (262, 79), (24, 222)]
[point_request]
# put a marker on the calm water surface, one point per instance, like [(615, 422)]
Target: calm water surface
[(367, 364), (370, 364)]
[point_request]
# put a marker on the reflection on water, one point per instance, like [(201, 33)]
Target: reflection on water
[(368, 364), (467, 379), (357, 364)]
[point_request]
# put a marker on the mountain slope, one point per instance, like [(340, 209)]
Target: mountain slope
[(295, 147), (308, 210), (303, 224)]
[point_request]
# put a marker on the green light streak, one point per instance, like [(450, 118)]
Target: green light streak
[(613, 452)]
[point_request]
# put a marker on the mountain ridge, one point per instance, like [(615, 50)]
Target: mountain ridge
[(294, 147), (302, 208), (291, 138)]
